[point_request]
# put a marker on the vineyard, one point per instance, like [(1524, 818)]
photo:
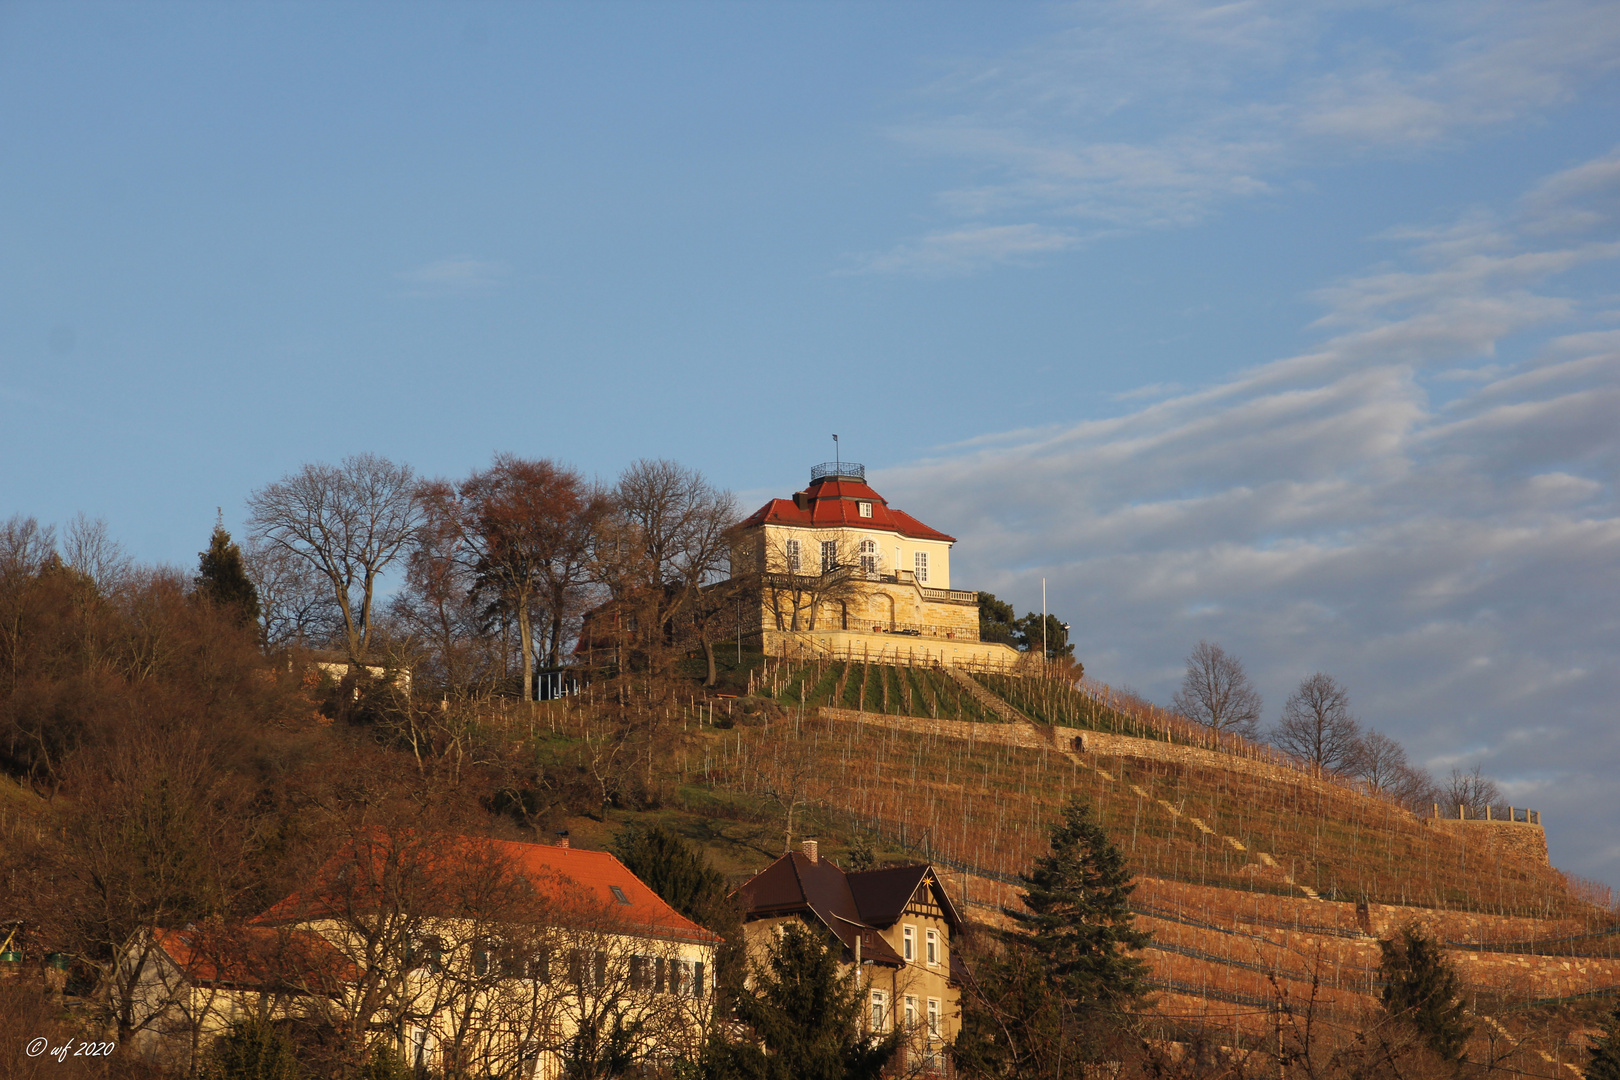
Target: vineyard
[(990, 805)]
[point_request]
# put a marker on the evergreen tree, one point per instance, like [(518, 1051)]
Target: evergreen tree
[(1055, 989), (802, 1015), (1604, 1060), (222, 578), (672, 869), (1420, 988), (1079, 915), (252, 1049)]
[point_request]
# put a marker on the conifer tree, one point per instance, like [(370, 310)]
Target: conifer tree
[(1057, 990), (802, 1017), (1420, 988), (222, 578), (1603, 1062), (1079, 915)]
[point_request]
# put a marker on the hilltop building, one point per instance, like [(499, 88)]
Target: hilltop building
[(836, 570), (896, 928)]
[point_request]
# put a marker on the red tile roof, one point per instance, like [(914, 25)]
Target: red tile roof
[(832, 503), (577, 882), (257, 957)]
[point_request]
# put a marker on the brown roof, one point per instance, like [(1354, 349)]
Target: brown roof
[(881, 895), (847, 903), (793, 885)]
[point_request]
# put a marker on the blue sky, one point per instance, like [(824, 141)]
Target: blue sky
[(1292, 326)]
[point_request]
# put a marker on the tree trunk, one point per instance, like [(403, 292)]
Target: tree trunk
[(708, 654), (526, 644)]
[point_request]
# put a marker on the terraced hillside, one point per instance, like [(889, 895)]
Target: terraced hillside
[(1265, 888)]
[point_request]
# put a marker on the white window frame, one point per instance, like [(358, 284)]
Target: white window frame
[(911, 1011), (794, 556), (908, 943), (919, 561), (880, 1011), (864, 509), (829, 556), (932, 947), (933, 1017), (869, 558)]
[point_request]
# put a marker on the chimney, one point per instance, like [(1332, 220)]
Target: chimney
[(812, 851), (562, 838)]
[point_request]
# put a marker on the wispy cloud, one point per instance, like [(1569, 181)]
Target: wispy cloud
[(1453, 557), (970, 248), (1153, 115), (459, 274)]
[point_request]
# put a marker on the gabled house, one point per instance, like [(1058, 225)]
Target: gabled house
[(897, 930)]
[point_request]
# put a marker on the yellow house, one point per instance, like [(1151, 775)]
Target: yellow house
[(897, 930), (467, 956), (836, 570)]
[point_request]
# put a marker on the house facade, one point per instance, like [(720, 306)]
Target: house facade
[(466, 956), (836, 570), (897, 930)]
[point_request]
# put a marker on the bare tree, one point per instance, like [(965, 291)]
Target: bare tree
[(89, 548), (25, 546), (523, 528), (1383, 767), (1316, 725), (1216, 691), (349, 522), (665, 540), (295, 599), (1472, 790)]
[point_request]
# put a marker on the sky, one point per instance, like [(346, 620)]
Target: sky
[(1294, 327)]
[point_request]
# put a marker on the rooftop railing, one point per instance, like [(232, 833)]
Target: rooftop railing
[(852, 469)]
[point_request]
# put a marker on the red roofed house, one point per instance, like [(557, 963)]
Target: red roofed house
[(496, 958), (840, 570), (896, 928)]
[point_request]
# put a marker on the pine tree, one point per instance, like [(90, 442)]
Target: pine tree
[(1604, 1060), (1079, 915), (1057, 989), (802, 1013), (1420, 988), (222, 578)]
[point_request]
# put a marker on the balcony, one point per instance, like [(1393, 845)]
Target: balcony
[(850, 470)]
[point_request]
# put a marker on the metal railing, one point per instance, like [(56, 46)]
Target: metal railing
[(852, 469)]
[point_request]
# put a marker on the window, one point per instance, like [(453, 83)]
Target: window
[(793, 556), (933, 947), (911, 1012), (864, 509), (869, 558), (424, 954), (829, 555), (618, 894), (880, 1010), (516, 964), (908, 942), (697, 978), (483, 955), (933, 1017), (920, 560)]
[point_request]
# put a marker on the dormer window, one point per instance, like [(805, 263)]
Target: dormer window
[(864, 509)]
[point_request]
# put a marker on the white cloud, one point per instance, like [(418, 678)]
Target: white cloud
[(1454, 558), (459, 274), (1152, 115)]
